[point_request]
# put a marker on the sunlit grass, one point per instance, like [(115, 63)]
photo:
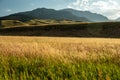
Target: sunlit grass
[(50, 58)]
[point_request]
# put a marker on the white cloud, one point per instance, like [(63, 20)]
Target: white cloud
[(8, 10), (109, 8), (79, 4)]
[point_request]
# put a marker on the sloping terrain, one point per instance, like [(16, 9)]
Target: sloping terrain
[(11, 23), (34, 22), (89, 15), (105, 29)]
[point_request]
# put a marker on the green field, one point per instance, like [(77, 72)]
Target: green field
[(55, 58)]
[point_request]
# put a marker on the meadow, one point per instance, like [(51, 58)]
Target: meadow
[(59, 58)]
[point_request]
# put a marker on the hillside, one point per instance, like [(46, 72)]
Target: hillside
[(104, 29), (11, 23), (35, 22), (89, 15), (43, 13)]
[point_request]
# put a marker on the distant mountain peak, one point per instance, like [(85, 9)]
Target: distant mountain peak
[(89, 15), (39, 9), (44, 13)]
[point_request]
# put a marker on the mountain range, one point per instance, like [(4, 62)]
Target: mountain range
[(68, 14), (43, 13), (89, 15)]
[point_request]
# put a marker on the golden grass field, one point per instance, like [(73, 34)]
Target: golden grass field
[(84, 48), (101, 53)]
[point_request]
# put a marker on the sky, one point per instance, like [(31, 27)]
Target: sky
[(109, 8)]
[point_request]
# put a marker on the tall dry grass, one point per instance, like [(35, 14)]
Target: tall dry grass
[(50, 58), (81, 48)]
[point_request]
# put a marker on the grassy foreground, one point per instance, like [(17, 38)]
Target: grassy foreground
[(49, 58)]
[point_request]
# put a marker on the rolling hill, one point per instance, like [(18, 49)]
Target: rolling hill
[(103, 29)]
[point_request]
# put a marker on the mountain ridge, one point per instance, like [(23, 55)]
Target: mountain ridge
[(43, 13), (89, 15), (46, 13)]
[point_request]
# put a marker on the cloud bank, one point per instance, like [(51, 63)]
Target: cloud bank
[(109, 8)]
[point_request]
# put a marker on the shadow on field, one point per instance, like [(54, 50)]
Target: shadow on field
[(104, 29)]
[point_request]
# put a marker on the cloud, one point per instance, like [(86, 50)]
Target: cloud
[(8, 10), (78, 4), (109, 8)]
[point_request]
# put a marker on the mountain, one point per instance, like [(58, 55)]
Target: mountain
[(118, 19), (43, 13), (87, 14), (17, 16)]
